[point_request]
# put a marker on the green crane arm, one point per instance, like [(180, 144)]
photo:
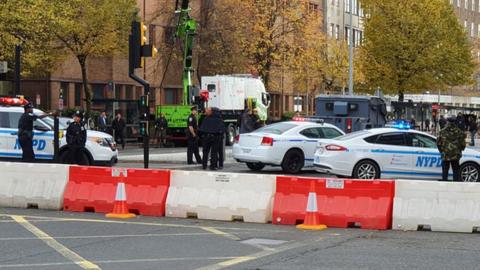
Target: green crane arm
[(186, 30)]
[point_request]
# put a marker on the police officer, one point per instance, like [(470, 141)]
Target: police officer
[(192, 137), (221, 140), (76, 139), (212, 129), (451, 143), (25, 132)]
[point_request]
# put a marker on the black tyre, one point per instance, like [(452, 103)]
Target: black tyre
[(230, 134), (366, 169), (470, 172), (255, 166), (293, 161)]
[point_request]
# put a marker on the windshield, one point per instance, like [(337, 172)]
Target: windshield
[(353, 135), (277, 129)]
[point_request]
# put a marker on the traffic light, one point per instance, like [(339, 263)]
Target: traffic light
[(139, 49), (143, 108), (143, 128)]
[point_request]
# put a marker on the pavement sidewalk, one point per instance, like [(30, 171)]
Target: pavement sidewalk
[(173, 158)]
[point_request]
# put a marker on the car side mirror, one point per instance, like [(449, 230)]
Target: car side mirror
[(41, 128)]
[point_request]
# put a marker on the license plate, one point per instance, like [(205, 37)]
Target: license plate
[(335, 184), (246, 150)]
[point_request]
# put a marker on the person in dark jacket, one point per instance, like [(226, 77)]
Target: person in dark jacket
[(451, 143), (212, 129), (25, 132), (442, 122), (118, 126), (247, 124), (192, 137), (102, 122), (76, 139), (461, 123), (221, 141), (161, 125), (473, 128)]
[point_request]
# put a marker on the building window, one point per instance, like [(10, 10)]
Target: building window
[(332, 30), (347, 34), (65, 89), (312, 7), (472, 30), (78, 95), (337, 32), (466, 4), (129, 92), (458, 3), (347, 6), (170, 96), (473, 5), (465, 24)]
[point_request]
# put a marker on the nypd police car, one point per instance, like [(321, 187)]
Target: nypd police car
[(100, 147), (290, 145), (396, 152)]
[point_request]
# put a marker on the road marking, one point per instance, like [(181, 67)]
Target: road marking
[(119, 261), (218, 232), (55, 219), (63, 250), (106, 236), (256, 256)]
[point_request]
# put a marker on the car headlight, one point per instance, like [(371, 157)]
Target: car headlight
[(100, 141)]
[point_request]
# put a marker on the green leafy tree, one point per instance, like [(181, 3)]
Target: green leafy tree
[(414, 46), (92, 28), (26, 22)]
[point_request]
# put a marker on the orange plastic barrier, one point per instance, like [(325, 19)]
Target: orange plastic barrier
[(341, 203), (93, 189)]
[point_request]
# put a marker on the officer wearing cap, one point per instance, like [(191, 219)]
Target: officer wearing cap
[(76, 139), (25, 132), (451, 143), (192, 136)]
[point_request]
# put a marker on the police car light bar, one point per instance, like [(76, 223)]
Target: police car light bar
[(308, 119), (401, 124), (9, 101)]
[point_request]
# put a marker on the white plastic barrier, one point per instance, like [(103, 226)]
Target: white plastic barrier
[(221, 196), (439, 206), (32, 185)]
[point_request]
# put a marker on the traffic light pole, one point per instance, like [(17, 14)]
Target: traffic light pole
[(146, 91)]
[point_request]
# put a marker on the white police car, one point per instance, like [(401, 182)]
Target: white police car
[(389, 153), (100, 147), (290, 145)]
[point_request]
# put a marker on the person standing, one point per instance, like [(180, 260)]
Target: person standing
[(221, 141), (118, 126), (413, 123), (451, 143), (192, 137), (161, 125), (427, 125), (102, 122), (76, 139), (247, 124), (25, 132), (460, 121), (257, 123), (473, 128), (442, 122), (212, 128)]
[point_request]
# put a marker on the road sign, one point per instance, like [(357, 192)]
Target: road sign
[(3, 66)]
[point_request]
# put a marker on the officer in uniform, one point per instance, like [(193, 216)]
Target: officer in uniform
[(25, 132), (212, 129), (76, 139), (192, 136), (451, 143)]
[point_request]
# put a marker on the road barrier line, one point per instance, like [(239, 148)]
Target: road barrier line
[(63, 250), (218, 232)]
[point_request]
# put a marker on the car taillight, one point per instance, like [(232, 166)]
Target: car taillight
[(334, 147), (349, 125), (236, 139), (267, 141)]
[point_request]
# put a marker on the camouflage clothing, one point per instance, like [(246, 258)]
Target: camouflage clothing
[(451, 142)]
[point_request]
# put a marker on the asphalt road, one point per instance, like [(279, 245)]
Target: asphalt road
[(36, 239)]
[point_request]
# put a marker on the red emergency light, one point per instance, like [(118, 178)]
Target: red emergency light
[(204, 95), (10, 101)]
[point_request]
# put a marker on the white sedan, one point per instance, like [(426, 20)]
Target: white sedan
[(290, 145), (389, 153)]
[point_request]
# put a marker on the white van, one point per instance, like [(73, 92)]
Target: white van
[(100, 148)]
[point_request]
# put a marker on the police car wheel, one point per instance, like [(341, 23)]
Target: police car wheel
[(366, 169), (255, 166), (470, 172), (293, 161)]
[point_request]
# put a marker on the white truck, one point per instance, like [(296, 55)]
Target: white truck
[(232, 94)]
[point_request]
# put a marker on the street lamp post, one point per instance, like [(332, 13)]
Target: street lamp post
[(350, 53)]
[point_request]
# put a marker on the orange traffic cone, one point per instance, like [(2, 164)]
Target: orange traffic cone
[(120, 209), (312, 218)]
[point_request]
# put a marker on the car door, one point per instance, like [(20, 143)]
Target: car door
[(312, 135), (42, 140), (427, 162), (8, 135), (393, 155)]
